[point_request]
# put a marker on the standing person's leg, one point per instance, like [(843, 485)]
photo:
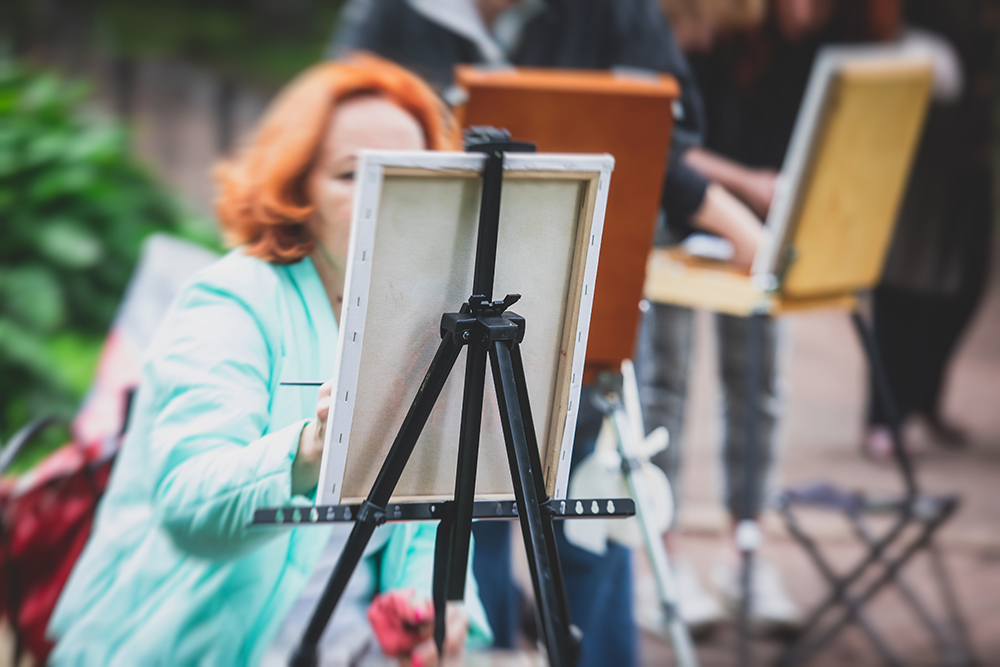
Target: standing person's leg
[(732, 342), (663, 360), (971, 215), (500, 595), (599, 588), (899, 323), (949, 319), (771, 607)]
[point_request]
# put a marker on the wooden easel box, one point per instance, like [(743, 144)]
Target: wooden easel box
[(628, 114)]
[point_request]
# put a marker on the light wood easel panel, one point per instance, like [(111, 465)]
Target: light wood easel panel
[(861, 165), (676, 278)]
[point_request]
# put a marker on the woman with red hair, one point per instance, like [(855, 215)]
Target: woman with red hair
[(171, 574)]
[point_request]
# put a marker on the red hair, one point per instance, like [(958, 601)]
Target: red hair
[(262, 201)]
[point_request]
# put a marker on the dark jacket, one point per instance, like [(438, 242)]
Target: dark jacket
[(943, 236), (577, 34)]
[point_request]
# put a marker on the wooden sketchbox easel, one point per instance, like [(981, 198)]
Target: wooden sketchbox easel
[(827, 236)]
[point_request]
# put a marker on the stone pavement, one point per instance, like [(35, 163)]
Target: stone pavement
[(826, 393)]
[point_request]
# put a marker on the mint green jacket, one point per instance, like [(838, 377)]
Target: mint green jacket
[(172, 575)]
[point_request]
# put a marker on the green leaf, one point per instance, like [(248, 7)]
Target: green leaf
[(74, 358), (70, 244), (22, 347), (61, 181), (32, 297), (101, 145), (74, 209)]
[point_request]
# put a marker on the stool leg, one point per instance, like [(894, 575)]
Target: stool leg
[(891, 570), (831, 577), (960, 652), (941, 634), (883, 392)]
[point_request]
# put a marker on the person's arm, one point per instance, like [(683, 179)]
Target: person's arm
[(724, 215), (754, 186), (208, 389)]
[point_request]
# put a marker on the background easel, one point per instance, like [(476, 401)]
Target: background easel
[(827, 241)]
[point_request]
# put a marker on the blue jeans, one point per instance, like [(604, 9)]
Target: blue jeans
[(499, 594), (598, 588)]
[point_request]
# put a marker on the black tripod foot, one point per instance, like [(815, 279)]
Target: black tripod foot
[(304, 656)]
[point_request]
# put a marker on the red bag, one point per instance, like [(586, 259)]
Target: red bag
[(46, 514), (44, 529)]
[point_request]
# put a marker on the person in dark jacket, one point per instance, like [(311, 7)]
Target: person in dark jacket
[(939, 259), (752, 81)]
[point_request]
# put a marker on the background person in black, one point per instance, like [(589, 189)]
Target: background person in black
[(430, 37), (752, 81), (939, 260)]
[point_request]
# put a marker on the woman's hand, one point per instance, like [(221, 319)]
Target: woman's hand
[(305, 467), (404, 627), (456, 628)]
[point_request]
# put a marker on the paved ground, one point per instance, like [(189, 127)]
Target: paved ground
[(822, 429)]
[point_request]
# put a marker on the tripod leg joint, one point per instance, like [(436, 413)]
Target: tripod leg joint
[(371, 513)]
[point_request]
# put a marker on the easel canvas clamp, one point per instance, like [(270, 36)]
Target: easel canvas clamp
[(826, 238), (490, 331)]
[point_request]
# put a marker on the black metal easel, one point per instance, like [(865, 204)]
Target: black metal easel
[(489, 330)]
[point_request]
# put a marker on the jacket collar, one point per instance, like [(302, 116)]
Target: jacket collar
[(463, 18)]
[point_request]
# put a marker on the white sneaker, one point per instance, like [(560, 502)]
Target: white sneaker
[(772, 611), (700, 611)]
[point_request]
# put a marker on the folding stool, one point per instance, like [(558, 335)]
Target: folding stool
[(922, 513)]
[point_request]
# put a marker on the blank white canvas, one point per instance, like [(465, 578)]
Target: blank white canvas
[(412, 259)]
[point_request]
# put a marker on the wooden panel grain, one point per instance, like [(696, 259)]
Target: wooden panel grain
[(673, 278), (550, 455), (848, 209), (681, 280), (566, 111)]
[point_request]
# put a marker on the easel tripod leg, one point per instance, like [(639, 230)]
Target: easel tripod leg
[(307, 653), (536, 464), (529, 490), (439, 587), (883, 392), (454, 533), (680, 638)]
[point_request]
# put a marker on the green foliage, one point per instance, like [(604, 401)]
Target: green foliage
[(260, 42), (74, 209), (267, 41)]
